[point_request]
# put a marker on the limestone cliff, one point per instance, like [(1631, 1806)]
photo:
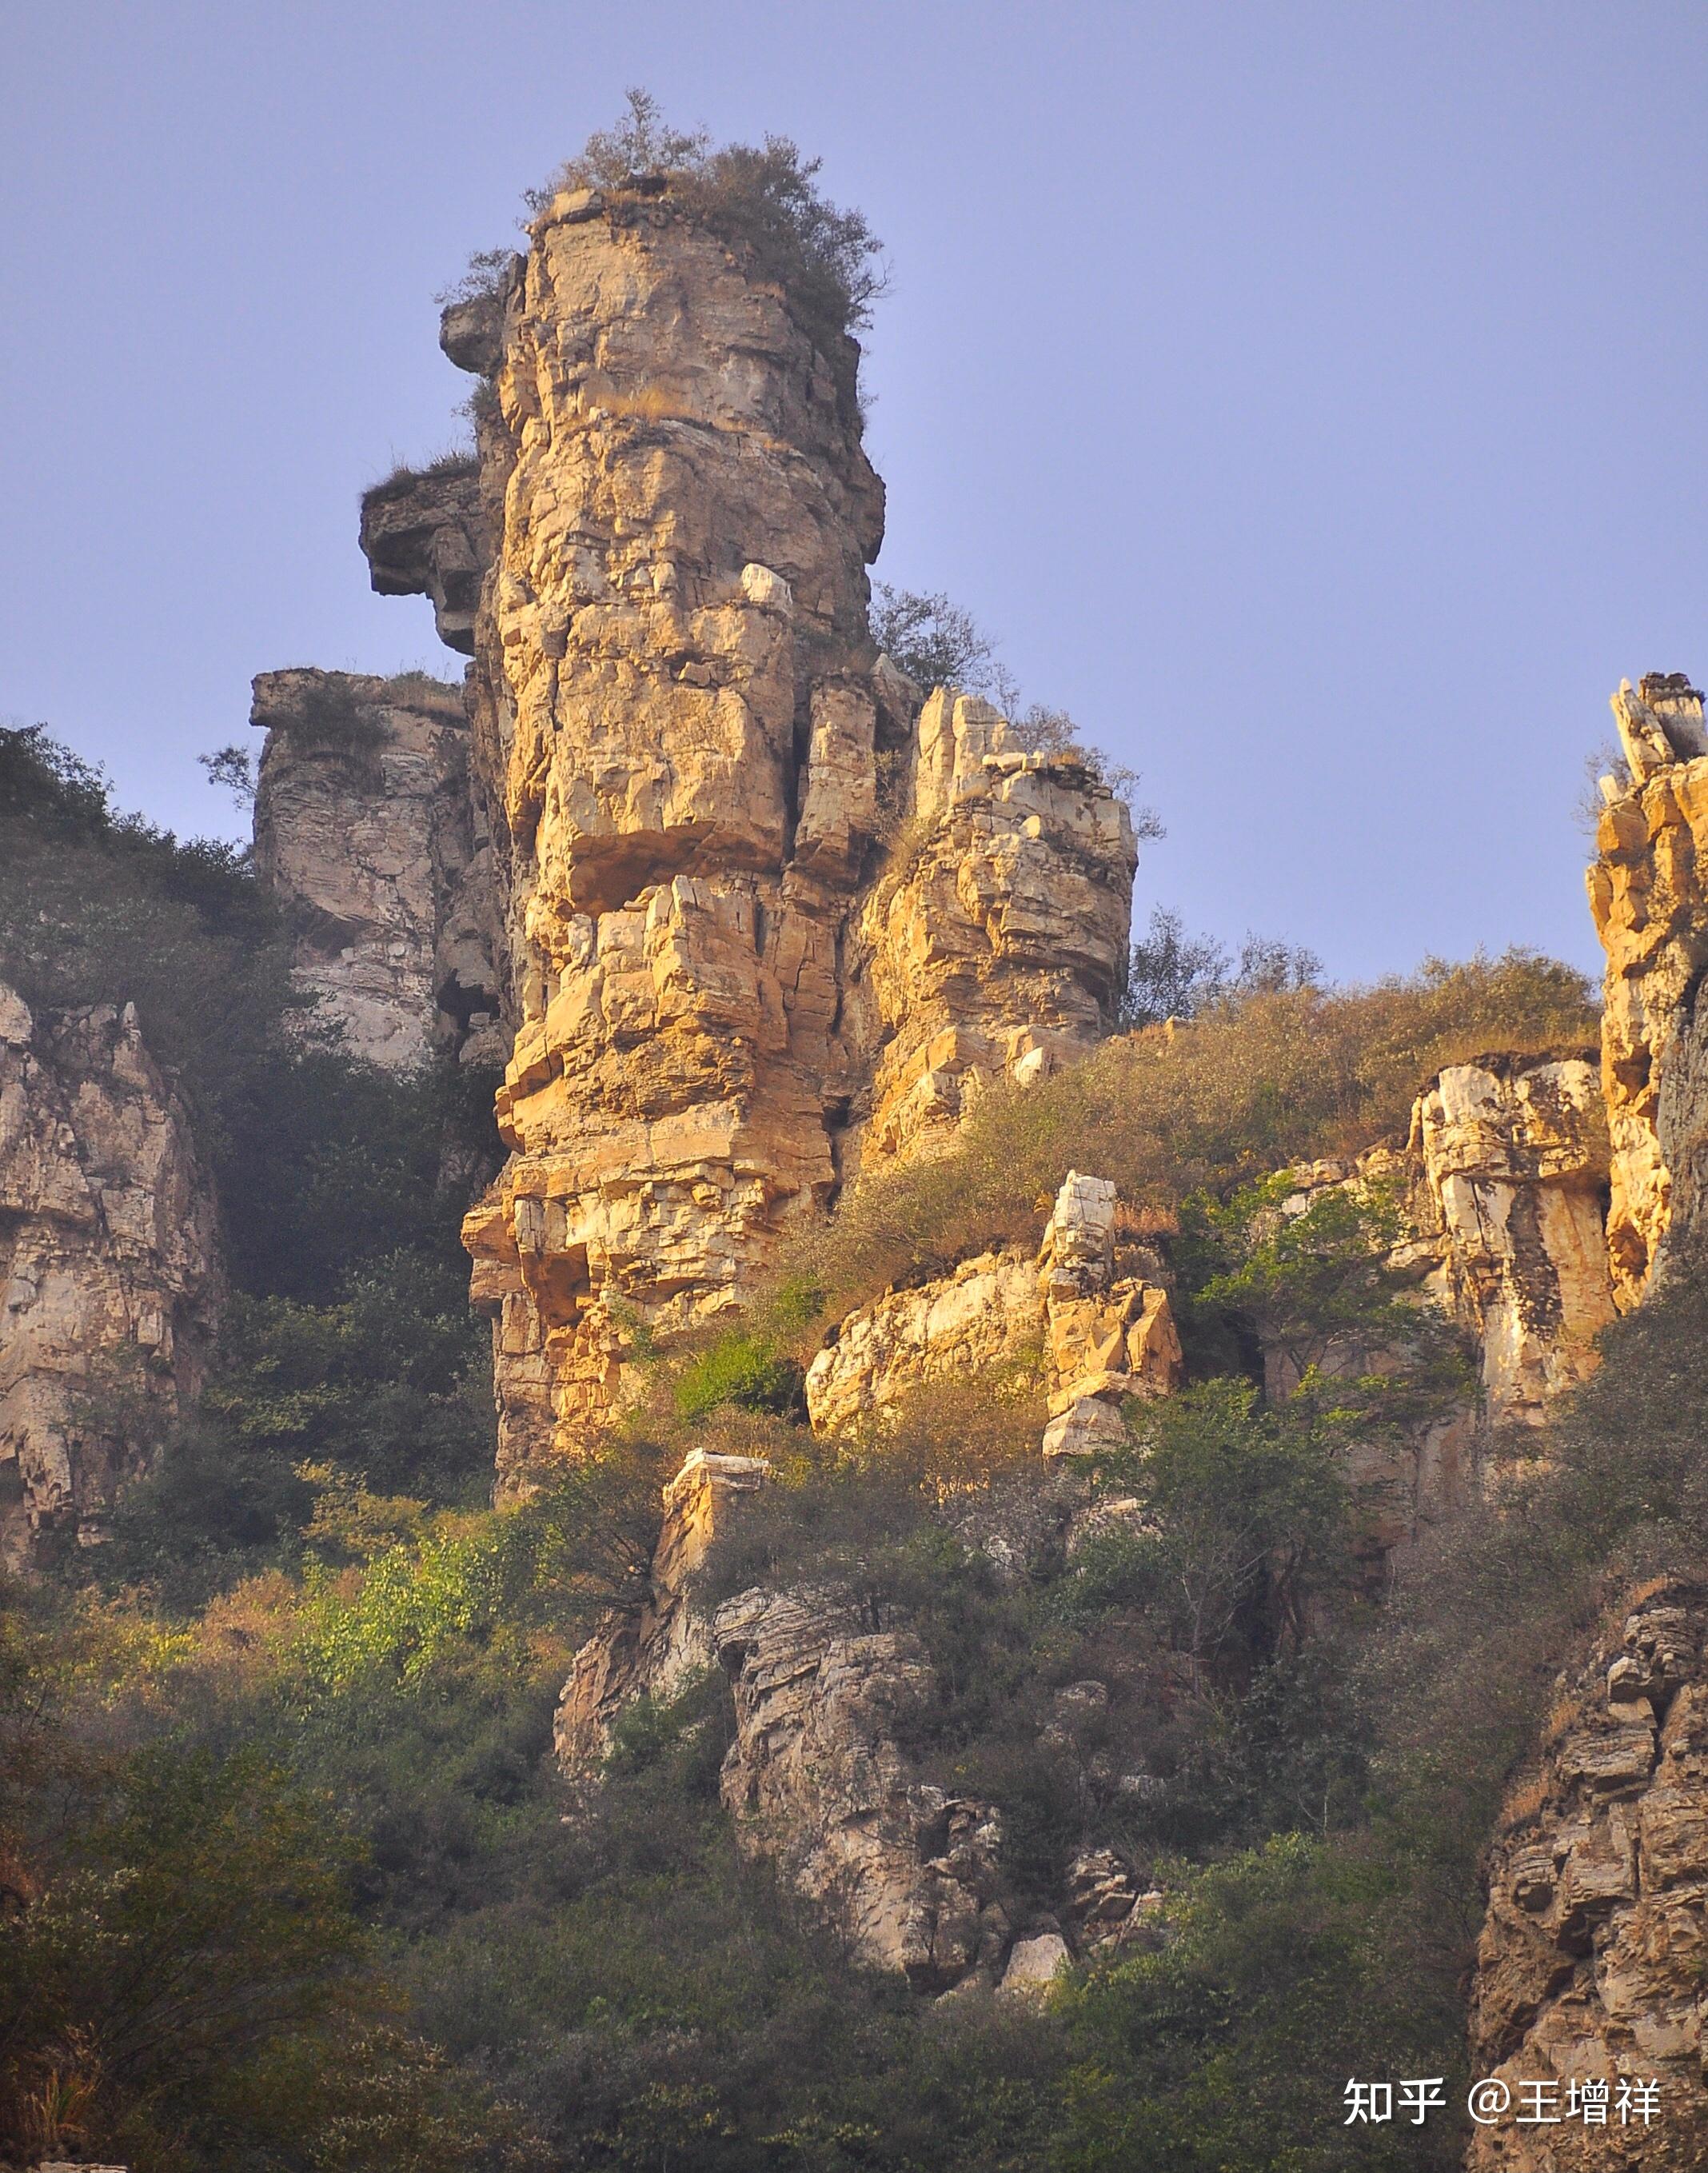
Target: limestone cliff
[(1646, 892), (367, 832), (816, 1782), (109, 1281), (1510, 1157), (1090, 1319), (1502, 1191), (653, 1651), (814, 1779), (1591, 1963), (1591, 1960), (997, 942), (430, 533), (757, 909)]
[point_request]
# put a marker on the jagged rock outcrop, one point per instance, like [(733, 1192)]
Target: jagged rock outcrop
[(816, 1782), (367, 832), (762, 913), (1590, 1964), (1108, 1906), (998, 942), (989, 1312), (1082, 1320), (429, 533), (1502, 1191), (1110, 1334), (110, 1278), (1649, 900), (1512, 1159), (814, 1779), (653, 1651)]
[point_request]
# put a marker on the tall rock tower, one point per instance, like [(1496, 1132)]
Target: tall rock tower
[(762, 911), (1648, 893)]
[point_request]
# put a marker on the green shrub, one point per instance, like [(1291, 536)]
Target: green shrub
[(1227, 2050), (740, 1368), (763, 200)]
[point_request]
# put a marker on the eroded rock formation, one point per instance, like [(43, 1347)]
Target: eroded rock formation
[(761, 914), (367, 832), (1647, 893), (815, 1780), (1512, 1154), (1590, 1964), (997, 938), (109, 1282), (1501, 1190), (653, 1651), (429, 533), (1082, 1319)]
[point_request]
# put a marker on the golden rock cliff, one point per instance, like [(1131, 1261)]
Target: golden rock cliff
[(1646, 892), (762, 913), (1590, 1964)]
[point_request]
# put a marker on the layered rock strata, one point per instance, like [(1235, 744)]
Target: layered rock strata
[(1082, 1319), (367, 832), (759, 910), (430, 533), (1592, 1959), (110, 1278), (987, 1315), (997, 939), (1647, 893)]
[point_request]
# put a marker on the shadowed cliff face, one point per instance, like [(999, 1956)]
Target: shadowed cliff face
[(368, 835), (760, 913), (109, 1277)]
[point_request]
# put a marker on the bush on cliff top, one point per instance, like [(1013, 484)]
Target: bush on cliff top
[(764, 199), (1256, 1083)]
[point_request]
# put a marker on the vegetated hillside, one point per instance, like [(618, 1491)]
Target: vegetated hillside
[(293, 1884), (811, 971)]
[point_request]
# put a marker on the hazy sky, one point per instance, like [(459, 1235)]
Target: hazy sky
[(1310, 398)]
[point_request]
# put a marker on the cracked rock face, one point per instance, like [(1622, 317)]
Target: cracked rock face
[(110, 1279), (762, 913), (1081, 1319), (1502, 1186), (816, 1782), (366, 833), (998, 943), (430, 534), (1651, 908), (655, 1651), (1592, 1956), (1513, 1154)]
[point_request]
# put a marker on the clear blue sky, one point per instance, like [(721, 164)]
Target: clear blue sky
[(1311, 397)]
